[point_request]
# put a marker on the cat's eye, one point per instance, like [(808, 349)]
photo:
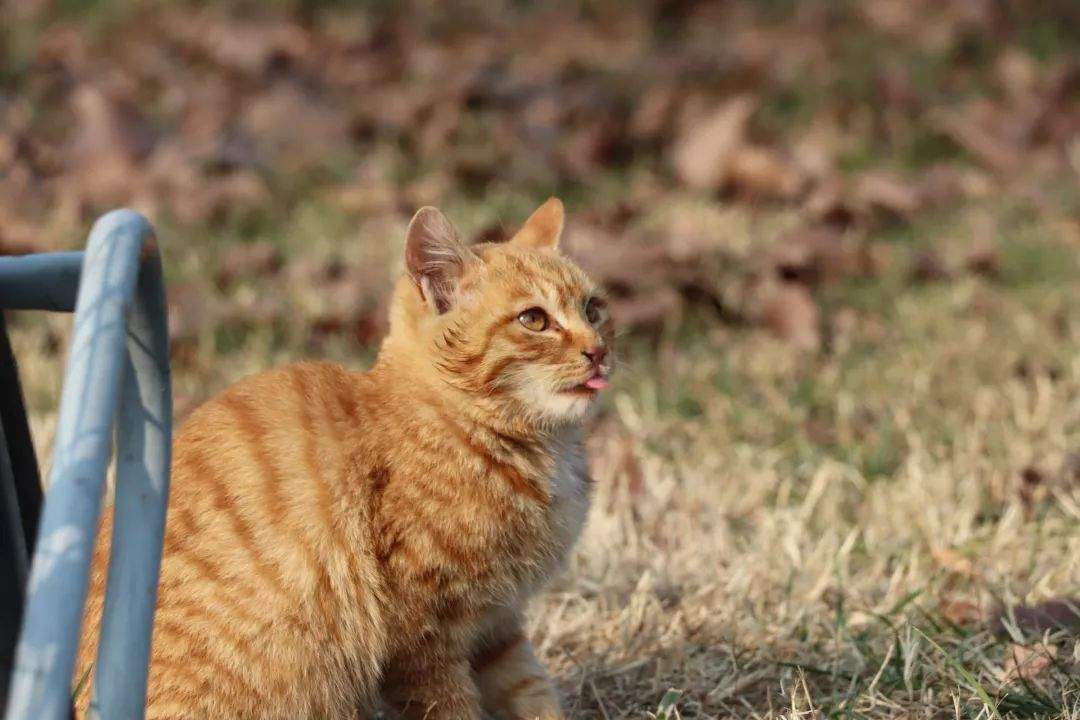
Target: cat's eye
[(596, 311), (534, 319)]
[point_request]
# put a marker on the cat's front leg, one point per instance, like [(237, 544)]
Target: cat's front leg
[(513, 684), (433, 683)]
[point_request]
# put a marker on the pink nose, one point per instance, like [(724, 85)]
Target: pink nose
[(596, 355)]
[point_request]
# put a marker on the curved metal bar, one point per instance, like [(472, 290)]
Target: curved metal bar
[(48, 281), (143, 454), (121, 279)]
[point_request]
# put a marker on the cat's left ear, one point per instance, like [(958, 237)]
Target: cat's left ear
[(543, 228), (435, 258)]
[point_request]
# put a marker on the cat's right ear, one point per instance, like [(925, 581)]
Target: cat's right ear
[(435, 258)]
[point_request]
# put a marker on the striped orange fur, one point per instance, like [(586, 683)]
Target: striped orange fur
[(340, 540)]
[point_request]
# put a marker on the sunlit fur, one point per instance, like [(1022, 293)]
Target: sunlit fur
[(334, 538)]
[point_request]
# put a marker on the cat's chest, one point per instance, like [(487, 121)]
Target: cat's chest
[(569, 491), (553, 529)]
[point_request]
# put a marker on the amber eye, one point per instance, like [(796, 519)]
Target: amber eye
[(534, 319), (595, 311)]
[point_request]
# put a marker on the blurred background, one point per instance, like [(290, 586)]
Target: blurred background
[(840, 471)]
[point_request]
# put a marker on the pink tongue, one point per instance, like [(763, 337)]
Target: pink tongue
[(596, 383)]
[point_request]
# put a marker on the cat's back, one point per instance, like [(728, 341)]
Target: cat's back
[(276, 458), (305, 398)]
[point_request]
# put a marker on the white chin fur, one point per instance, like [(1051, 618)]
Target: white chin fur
[(554, 406)]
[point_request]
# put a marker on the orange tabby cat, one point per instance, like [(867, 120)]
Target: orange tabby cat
[(334, 538)]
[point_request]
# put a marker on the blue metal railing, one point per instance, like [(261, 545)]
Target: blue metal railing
[(117, 378)]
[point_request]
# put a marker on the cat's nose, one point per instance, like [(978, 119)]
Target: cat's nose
[(596, 355)]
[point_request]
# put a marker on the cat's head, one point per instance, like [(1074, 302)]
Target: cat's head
[(514, 323)]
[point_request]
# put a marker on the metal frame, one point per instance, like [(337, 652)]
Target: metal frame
[(117, 377), (20, 505)]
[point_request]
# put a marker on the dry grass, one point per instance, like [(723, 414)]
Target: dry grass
[(830, 536)]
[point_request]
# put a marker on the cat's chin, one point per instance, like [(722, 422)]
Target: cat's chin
[(557, 408), (567, 408)]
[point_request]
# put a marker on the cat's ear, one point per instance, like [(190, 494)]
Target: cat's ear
[(435, 258), (543, 228)]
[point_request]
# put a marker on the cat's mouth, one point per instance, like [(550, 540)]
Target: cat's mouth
[(592, 385)]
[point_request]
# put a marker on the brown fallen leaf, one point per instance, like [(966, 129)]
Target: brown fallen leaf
[(365, 197), (987, 146), (983, 260), (249, 48), (17, 237), (701, 155), (235, 191), (1026, 662), (890, 16), (819, 432), (814, 255), (879, 190), (171, 178), (755, 171), (1030, 485), (897, 87), (790, 312), (653, 113), (659, 308), (273, 117), (585, 150), (249, 260), (617, 263), (829, 204), (1054, 122), (941, 185), (961, 612), (101, 166), (953, 561), (927, 266), (873, 258), (1018, 73), (369, 324), (190, 310)]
